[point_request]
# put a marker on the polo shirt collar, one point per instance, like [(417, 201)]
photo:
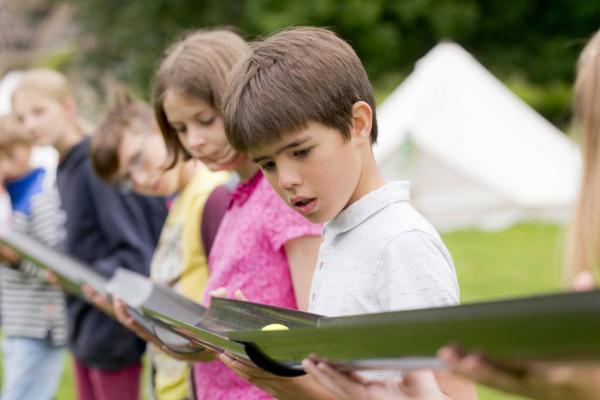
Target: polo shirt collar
[(366, 206)]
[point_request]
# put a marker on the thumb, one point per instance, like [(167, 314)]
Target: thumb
[(240, 296), (220, 292), (583, 281)]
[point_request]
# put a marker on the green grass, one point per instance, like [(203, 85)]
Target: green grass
[(524, 259), (66, 388), (521, 260)]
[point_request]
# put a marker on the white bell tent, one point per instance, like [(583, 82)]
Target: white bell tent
[(475, 154)]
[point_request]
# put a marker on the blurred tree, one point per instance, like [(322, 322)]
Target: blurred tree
[(536, 41)]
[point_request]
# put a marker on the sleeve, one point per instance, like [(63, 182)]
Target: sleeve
[(44, 224), (416, 271), (283, 224), (212, 215), (47, 218), (123, 227)]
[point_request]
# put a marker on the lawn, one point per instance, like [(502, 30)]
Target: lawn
[(521, 260)]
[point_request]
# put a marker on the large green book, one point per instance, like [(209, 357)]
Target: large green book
[(555, 327), (204, 327), (70, 272), (561, 327)]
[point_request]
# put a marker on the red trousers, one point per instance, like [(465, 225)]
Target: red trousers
[(102, 384)]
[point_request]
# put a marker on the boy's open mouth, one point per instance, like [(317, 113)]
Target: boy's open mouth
[(304, 204)]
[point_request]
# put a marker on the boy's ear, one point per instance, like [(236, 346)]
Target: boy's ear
[(362, 121)]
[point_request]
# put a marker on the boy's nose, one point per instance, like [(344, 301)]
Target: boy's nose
[(289, 178)]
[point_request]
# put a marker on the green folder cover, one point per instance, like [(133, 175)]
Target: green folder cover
[(548, 328), (70, 272), (207, 327), (561, 327)]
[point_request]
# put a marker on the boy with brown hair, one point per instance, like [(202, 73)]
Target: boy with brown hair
[(301, 106)]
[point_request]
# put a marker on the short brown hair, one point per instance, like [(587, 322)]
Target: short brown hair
[(126, 115), (12, 133), (294, 77), (198, 65)]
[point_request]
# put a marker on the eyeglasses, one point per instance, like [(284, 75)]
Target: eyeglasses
[(136, 164)]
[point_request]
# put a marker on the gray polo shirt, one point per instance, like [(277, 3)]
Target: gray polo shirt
[(380, 254)]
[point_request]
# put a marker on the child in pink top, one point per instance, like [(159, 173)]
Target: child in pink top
[(249, 255), (262, 247)]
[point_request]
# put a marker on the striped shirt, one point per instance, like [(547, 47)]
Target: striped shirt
[(30, 306)]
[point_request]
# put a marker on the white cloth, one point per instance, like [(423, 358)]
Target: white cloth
[(47, 158), (380, 254), (5, 210)]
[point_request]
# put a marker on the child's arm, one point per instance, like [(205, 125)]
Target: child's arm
[(302, 256), (10, 256), (413, 385), (531, 380), (456, 387), (122, 315)]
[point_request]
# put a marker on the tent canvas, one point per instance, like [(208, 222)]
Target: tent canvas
[(475, 154)]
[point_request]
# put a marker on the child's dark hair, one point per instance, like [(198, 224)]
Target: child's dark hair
[(126, 115), (198, 65), (294, 77)]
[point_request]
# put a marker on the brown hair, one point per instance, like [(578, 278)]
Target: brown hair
[(583, 246), (12, 133), (198, 65), (126, 115), (296, 76)]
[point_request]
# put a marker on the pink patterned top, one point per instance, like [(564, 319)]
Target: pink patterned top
[(248, 254)]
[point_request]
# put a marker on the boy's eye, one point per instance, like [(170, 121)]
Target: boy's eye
[(268, 166), (302, 153), (38, 110)]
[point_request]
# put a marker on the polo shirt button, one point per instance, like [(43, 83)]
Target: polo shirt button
[(321, 265), (313, 297)]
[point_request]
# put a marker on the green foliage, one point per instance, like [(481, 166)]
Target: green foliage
[(60, 59), (552, 100), (536, 40)]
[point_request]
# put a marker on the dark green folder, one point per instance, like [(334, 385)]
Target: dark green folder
[(70, 272), (208, 327), (557, 327)]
